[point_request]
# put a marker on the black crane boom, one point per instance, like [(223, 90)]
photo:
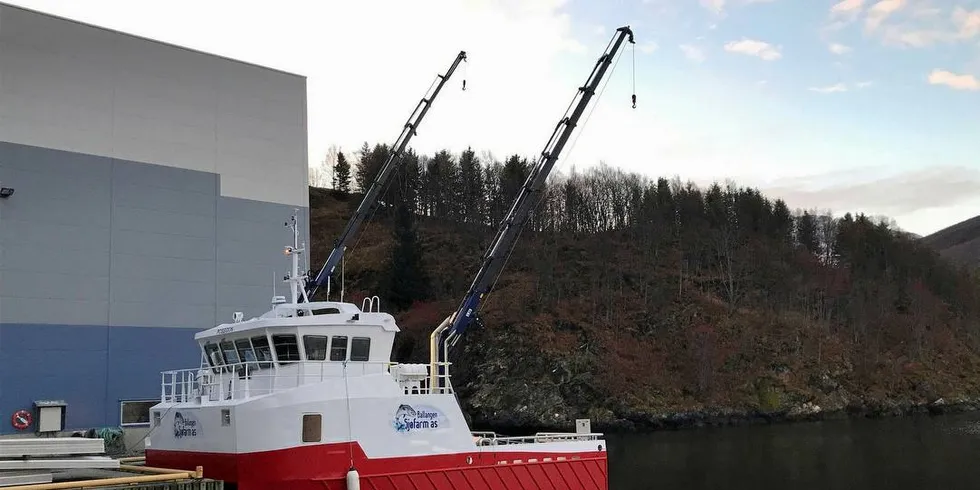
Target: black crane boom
[(529, 195), (380, 181)]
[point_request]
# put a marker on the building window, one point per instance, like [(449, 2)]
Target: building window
[(262, 351), (360, 348), (338, 348), (135, 412), (311, 427), (287, 350), (316, 347)]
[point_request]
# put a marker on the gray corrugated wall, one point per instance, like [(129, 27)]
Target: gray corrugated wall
[(90, 245), (126, 243)]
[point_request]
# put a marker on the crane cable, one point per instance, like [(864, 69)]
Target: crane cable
[(571, 149)]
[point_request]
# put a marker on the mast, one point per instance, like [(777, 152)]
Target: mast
[(380, 181), (510, 227), (295, 278)]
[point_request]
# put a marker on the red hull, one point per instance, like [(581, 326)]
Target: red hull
[(324, 467)]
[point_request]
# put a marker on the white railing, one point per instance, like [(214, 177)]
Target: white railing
[(492, 439), (247, 380)]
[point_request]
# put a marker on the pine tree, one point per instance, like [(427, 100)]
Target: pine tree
[(341, 174), (407, 280)]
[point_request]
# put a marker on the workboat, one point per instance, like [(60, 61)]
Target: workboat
[(304, 397)]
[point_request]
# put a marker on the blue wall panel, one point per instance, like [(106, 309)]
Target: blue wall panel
[(138, 355), (92, 368)]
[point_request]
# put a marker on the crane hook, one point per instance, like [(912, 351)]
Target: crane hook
[(634, 101), (464, 84)]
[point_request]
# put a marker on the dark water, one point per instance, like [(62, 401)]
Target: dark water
[(920, 452)]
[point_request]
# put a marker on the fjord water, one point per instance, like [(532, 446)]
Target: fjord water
[(916, 452)]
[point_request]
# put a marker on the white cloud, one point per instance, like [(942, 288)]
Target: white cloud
[(954, 81), (840, 87), (844, 12), (880, 11), (716, 6), (753, 47), (967, 22), (847, 7), (838, 48), (693, 53), (647, 47)]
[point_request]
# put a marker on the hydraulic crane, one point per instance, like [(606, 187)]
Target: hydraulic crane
[(510, 227), (380, 181)]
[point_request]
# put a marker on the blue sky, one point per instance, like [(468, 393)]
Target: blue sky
[(870, 106)]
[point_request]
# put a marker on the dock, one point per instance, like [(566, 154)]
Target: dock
[(58, 463)]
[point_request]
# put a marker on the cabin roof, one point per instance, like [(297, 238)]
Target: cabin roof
[(284, 315)]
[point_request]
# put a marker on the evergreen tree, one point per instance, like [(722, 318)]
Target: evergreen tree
[(341, 174), (407, 279)]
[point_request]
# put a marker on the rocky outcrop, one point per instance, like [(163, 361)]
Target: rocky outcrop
[(520, 389)]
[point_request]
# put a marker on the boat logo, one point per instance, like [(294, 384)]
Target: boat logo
[(185, 425), (409, 419)]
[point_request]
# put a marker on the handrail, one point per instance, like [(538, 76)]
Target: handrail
[(540, 437), (245, 380)]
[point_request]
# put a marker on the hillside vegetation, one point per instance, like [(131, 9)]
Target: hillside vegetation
[(648, 303), (959, 243)]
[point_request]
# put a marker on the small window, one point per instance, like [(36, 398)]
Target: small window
[(316, 347), (135, 412), (326, 311), (338, 348), (262, 351), (311, 427), (287, 350), (156, 419), (225, 416), (360, 348)]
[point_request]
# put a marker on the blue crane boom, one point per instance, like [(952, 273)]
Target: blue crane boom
[(529, 195), (380, 181)]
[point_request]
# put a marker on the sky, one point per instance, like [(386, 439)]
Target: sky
[(854, 106)]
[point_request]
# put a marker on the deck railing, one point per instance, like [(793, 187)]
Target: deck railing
[(247, 380), (492, 439)]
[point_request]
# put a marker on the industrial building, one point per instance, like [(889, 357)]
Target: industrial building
[(146, 189)]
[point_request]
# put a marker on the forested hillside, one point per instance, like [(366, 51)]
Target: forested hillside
[(959, 243), (641, 302)]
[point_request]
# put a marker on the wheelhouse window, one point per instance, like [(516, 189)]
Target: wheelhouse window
[(245, 352), (360, 348), (214, 356), (338, 348), (263, 352), (287, 350), (316, 347), (231, 355)]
